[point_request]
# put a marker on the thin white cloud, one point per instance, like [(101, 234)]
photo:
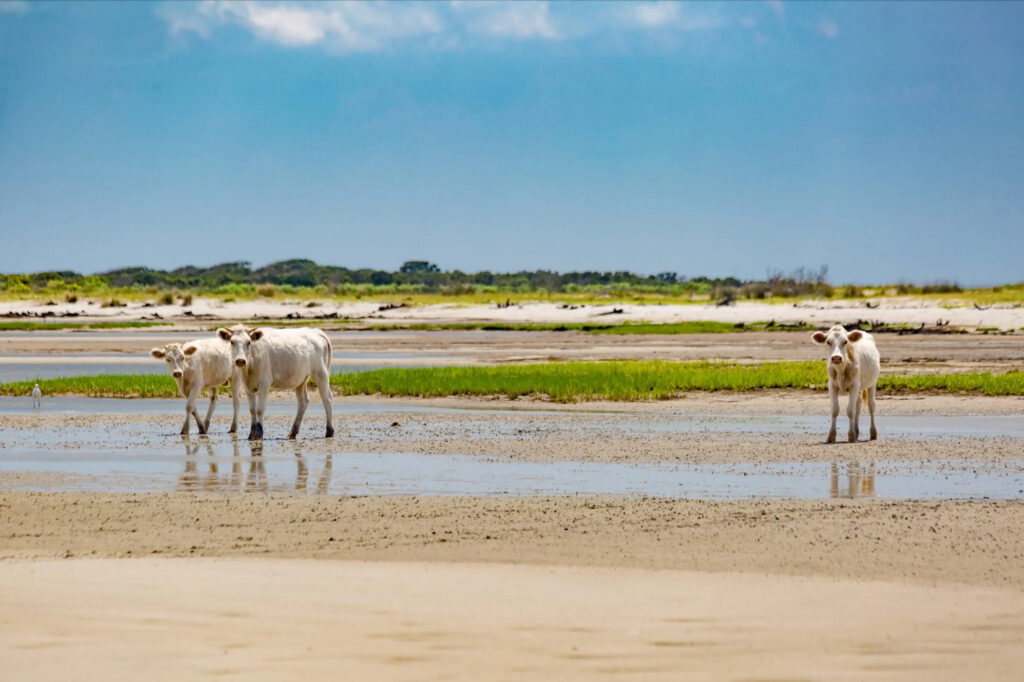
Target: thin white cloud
[(520, 20), (828, 28), (13, 6), (778, 8), (666, 14), (368, 26), (655, 14), (345, 26)]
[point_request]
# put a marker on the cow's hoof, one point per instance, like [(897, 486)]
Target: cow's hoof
[(291, 436), (831, 437), (233, 429), (852, 438), (184, 432), (330, 432), (256, 433), (874, 434)]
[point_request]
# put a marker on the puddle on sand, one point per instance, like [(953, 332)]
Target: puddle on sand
[(223, 464)]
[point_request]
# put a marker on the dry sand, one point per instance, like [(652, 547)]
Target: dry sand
[(909, 310), (328, 620)]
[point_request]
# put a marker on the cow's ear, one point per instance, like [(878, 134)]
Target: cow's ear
[(819, 337), (855, 335), (157, 353), (190, 349), (224, 333), (256, 334)]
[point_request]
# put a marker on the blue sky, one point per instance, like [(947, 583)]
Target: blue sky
[(885, 140)]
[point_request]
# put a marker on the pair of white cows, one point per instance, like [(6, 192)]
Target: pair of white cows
[(257, 359)]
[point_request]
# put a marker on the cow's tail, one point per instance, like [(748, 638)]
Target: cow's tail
[(330, 353), (864, 396)]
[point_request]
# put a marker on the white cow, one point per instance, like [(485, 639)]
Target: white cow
[(200, 365), (281, 358), (853, 368)]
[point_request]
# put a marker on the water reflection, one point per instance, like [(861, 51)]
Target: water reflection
[(204, 473), (860, 481)]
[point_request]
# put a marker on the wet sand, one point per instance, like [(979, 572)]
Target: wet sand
[(270, 619), (354, 350), (700, 428), (976, 543)]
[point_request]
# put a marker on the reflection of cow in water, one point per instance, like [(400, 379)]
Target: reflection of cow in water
[(860, 481), (253, 480)]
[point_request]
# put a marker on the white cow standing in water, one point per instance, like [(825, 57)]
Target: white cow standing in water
[(197, 366), (853, 367), (281, 358)]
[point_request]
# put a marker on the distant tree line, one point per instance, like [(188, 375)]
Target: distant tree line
[(419, 276)]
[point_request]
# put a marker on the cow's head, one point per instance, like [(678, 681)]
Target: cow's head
[(840, 343), (174, 355), (241, 340)]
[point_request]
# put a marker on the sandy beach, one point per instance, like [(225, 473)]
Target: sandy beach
[(909, 310), (139, 552), (263, 619)]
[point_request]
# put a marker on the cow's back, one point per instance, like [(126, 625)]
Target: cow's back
[(212, 359), (291, 355)]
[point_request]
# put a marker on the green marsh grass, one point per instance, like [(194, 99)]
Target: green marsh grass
[(562, 382), (100, 386)]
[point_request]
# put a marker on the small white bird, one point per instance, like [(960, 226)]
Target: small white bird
[(36, 396)]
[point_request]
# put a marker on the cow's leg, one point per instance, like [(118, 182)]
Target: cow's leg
[(261, 405), (871, 411), (323, 385), (833, 396), (188, 417), (193, 399), (852, 411), (213, 404), (302, 397), (254, 426), (235, 389)]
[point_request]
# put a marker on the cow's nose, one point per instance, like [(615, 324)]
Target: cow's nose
[(240, 362), (177, 375), (837, 359)]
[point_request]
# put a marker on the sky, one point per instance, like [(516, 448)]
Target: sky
[(884, 140)]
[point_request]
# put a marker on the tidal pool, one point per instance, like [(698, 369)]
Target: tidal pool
[(223, 464)]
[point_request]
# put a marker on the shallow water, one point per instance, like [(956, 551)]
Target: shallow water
[(145, 457), (142, 455), (222, 465)]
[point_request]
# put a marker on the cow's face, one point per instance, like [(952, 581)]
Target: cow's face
[(839, 342), (174, 355), (241, 340)]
